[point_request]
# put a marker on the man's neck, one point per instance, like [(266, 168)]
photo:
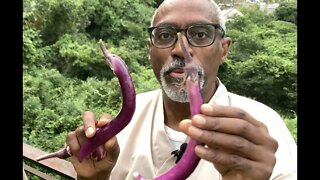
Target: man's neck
[(174, 112)]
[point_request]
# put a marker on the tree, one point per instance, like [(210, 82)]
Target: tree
[(53, 18), (287, 11)]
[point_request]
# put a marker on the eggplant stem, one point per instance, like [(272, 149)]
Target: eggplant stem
[(62, 153), (107, 54)]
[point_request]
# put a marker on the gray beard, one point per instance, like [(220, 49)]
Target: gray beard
[(175, 88)]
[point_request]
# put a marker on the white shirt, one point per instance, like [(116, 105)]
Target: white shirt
[(176, 138), (146, 148)]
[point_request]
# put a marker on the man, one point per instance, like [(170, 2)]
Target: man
[(243, 139)]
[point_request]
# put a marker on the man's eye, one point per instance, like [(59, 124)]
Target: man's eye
[(200, 35), (164, 36)]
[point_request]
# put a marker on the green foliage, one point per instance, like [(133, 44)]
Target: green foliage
[(145, 80), (42, 94), (54, 18), (33, 52), (263, 60), (132, 53), (292, 124), (78, 56), (284, 43), (269, 79), (257, 17), (115, 20), (53, 105), (244, 44), (248, 33), (287, 11)]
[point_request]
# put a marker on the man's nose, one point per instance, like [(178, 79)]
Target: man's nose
[(178, 50)]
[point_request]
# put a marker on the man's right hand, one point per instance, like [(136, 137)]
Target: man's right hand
[(90, 167)]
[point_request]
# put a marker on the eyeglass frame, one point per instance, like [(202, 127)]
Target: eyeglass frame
[(216, 26)]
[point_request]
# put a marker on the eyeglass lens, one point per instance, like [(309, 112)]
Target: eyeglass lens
[(197, 35)]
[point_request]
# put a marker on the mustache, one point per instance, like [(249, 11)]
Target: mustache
[(176, 63), (179, 63)]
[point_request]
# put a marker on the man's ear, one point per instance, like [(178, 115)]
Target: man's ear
[(226, 43), (149, 50)]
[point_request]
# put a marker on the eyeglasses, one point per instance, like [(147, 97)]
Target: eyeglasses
[(198, 35)]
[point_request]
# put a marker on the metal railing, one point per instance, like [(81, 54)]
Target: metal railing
[(60, 167)]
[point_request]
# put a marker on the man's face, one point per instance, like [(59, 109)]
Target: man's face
[(168, 63)]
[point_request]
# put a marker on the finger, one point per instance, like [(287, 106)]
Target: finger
[(230, 143), (105, 119), (209, 155), (89, 121), (229, 111), (80, 134), (73, 143), (222, 159), (234, 126), (112, 149), (225, 161)]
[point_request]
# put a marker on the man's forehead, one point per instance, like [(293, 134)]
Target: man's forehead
[(187, 9), (184, 1)]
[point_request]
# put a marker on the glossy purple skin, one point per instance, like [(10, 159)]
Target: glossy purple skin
[(128, 105), (189, 159)]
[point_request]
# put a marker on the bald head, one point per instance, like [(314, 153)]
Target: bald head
[(205, 7)]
